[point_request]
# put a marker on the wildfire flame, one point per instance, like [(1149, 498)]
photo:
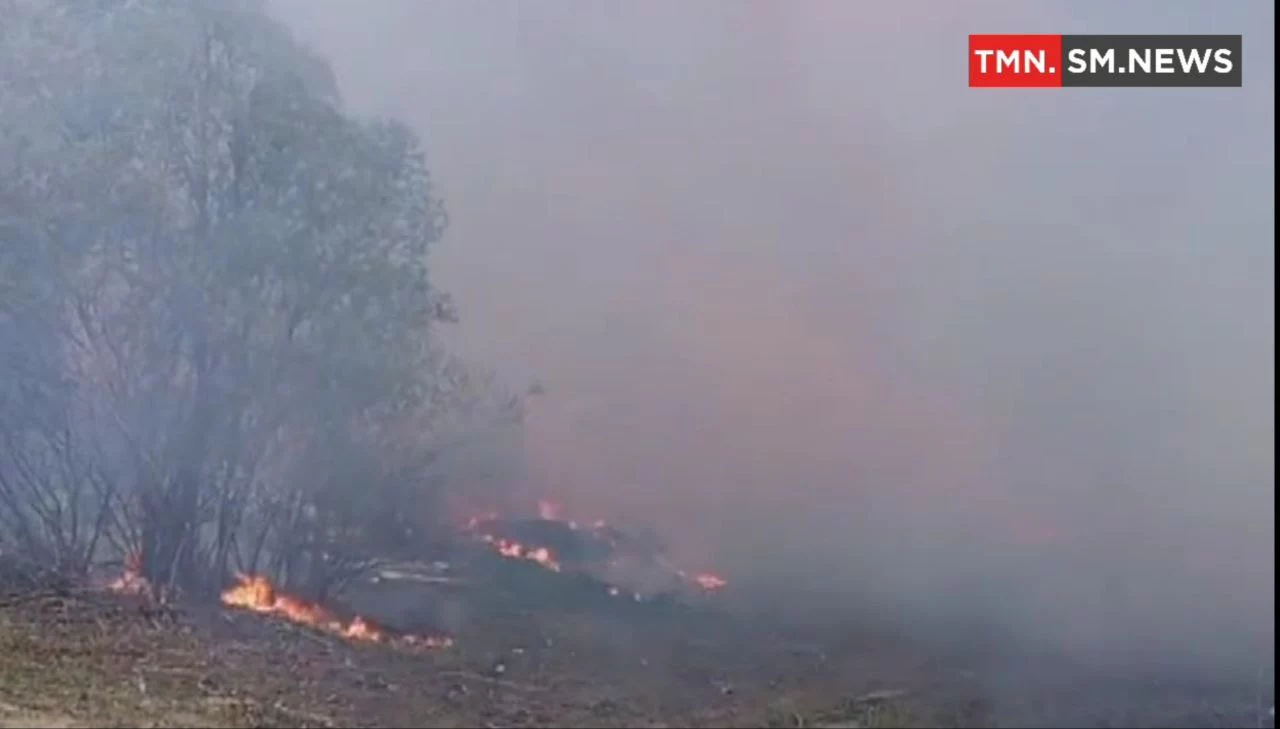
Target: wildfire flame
[(551, 511), (131, 581), (516, 550), (256, 593), (705, 580), (708, 581)]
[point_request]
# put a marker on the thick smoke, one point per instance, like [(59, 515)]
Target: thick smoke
[(833, 321)]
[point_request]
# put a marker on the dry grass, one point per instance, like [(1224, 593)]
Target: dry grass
[(83, 660), (88, 659), (96, 660)]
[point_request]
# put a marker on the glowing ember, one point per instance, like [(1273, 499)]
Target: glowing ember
[(131, 581), (256, 593), (427, 641), (515, 550), (709, 581), (705, 580), (360, 629)]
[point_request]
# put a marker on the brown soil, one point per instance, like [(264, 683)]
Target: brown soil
[(72, 659)]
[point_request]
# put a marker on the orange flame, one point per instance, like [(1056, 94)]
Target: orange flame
[(515, 550), (131, 581), (551, 511), (257, 594)]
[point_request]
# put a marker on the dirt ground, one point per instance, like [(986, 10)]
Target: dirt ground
[(78, 658), (92, 659)]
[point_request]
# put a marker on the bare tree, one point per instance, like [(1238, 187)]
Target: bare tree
[(234, 309)]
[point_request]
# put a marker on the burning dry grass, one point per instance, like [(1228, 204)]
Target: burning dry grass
[(257, 594), (98, 659), (559, 544), (514, 550)]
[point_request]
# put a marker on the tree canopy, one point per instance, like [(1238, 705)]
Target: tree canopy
[(216, 316)]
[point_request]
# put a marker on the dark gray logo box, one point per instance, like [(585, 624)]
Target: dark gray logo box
[(1121, 72)]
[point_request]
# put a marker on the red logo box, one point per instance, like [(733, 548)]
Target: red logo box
[(1020, 61)]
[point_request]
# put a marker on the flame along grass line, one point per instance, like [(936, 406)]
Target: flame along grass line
[(551, 511), (255, 593)]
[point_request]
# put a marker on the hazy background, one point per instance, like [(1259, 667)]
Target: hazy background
[(826, 317)]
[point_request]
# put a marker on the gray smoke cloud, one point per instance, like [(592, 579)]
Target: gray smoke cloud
[(829, 319)]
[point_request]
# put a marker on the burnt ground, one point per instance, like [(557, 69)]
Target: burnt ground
[(523, 657)]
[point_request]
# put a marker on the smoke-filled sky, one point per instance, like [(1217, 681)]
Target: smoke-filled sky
[(810, 305)]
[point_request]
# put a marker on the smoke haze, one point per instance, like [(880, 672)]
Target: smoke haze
[(829, 319)]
